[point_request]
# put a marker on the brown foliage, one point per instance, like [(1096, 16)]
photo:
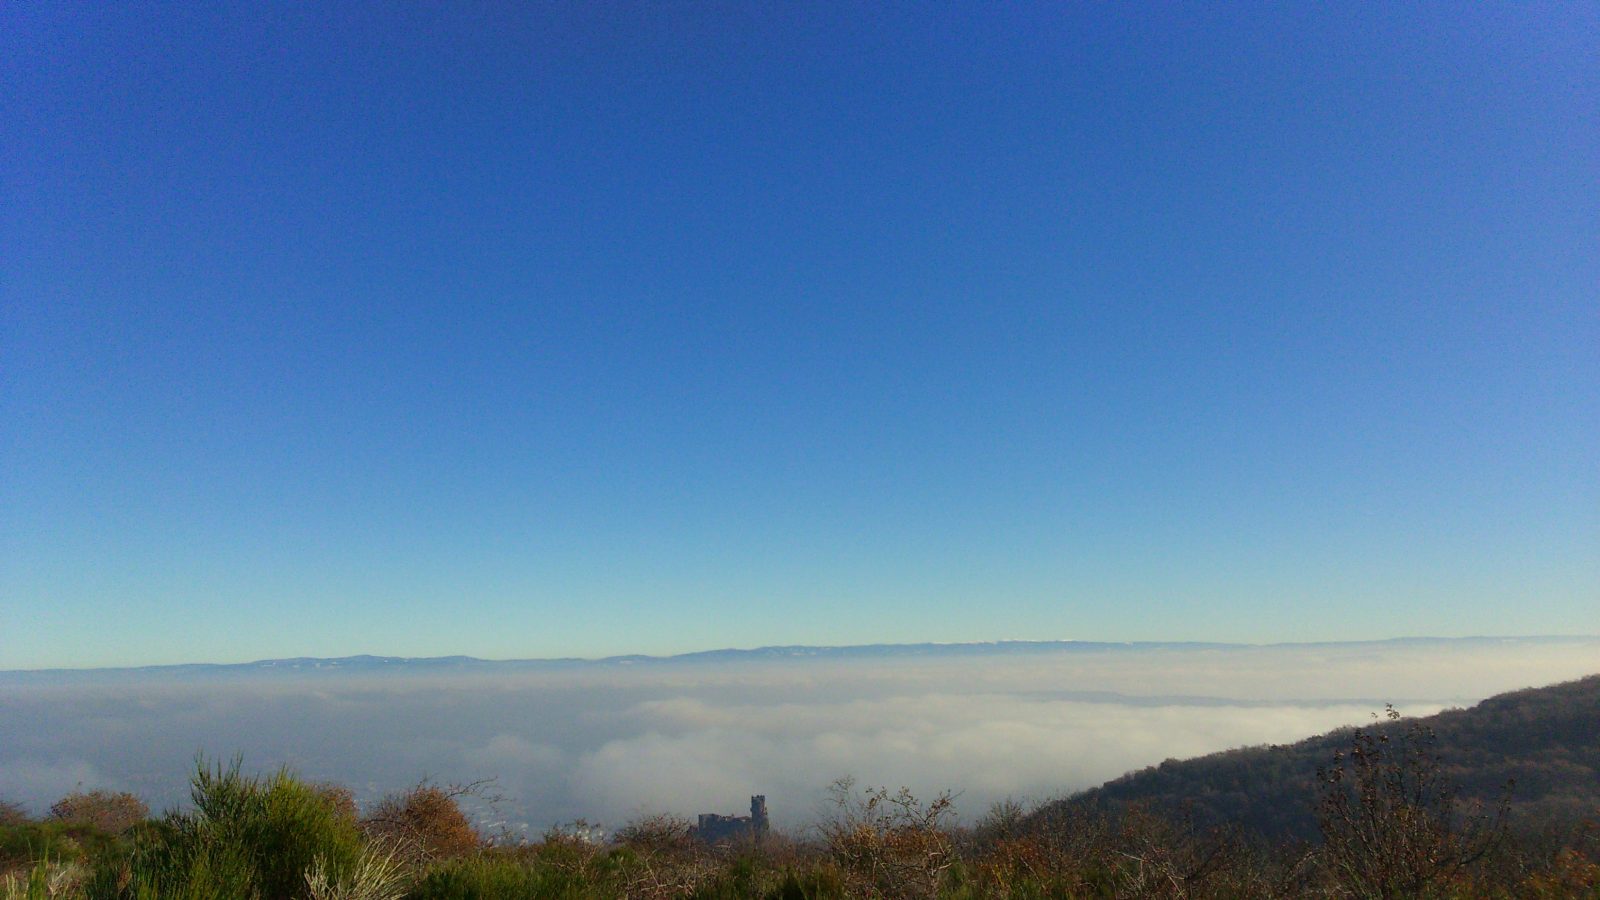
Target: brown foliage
[(12, 813), (338, 797), (111, 812), (890, 844), (425, 820), (1569, 874)]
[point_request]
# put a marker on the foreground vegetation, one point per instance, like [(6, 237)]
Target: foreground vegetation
[(1388, 823)]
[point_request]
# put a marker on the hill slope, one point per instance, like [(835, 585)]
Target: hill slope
[(1545, 739)]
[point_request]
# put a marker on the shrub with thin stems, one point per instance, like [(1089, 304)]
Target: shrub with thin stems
[(1388, 815), (890, 844), (658, 833)]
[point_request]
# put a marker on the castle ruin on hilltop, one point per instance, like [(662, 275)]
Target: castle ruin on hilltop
[(717, 829)]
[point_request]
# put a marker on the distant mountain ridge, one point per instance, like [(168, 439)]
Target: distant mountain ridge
[(367, 663), (1546, 741)]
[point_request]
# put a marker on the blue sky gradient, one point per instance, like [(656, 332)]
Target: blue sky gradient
[(519, 330)]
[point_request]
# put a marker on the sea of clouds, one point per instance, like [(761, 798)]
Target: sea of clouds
[(610, 743)]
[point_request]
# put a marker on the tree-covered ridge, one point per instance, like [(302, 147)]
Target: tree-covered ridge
[(1543, 742)]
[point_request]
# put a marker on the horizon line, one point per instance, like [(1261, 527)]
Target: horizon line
[(875, 645)]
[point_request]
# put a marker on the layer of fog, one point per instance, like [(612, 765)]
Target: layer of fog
[(609, 744)]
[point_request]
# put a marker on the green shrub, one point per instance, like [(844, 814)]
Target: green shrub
[(503, 878), (22, 844), (246, 838), (818, 882)]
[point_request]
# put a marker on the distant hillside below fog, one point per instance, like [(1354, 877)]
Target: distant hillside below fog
[(1546, 740)]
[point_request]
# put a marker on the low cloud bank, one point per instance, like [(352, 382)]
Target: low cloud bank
[(988, 746), (609, 744)]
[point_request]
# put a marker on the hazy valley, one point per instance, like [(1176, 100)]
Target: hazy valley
[(610, 740)]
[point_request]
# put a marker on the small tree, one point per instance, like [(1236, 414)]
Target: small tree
[(427, 820), (109, 811), (1388, 816)]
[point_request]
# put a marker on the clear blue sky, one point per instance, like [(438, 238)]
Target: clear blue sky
[(578, 329)]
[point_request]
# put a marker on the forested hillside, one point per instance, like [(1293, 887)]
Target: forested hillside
[(1543, 742)]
